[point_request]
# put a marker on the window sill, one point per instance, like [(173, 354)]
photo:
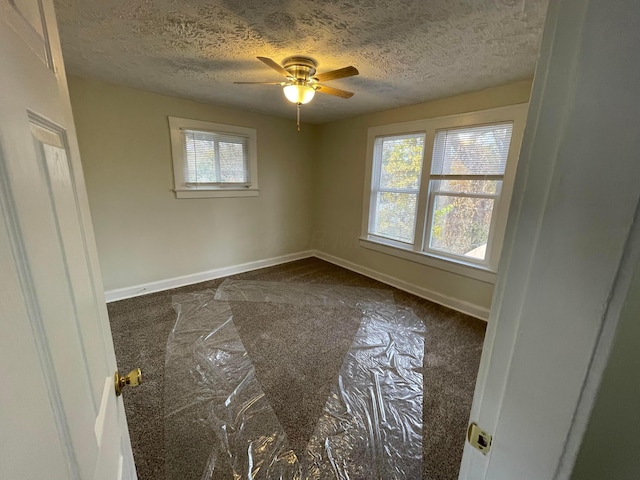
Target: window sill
[(469, 270), (218, 193)]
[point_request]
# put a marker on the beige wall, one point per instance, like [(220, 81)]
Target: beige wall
[(143, 232), (311, 189), (339, 184)]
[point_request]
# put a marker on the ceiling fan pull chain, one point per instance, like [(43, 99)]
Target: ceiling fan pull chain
[(298, 117)]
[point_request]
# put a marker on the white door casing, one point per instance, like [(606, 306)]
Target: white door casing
[(60, 417), (572, 241)]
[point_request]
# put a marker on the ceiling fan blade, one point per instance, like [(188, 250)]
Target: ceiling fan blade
[(334, 91), (278, 68), (261, 83), (335, 74)]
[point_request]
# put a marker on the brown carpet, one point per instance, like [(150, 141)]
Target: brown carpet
[(296, 376), (141, 325)]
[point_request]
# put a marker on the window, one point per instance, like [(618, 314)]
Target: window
[(395, 186), (438, 190), (213, 160), (467, 172)]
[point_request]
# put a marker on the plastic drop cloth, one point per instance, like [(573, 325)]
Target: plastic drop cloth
[(216, 416), (219, 423), (300, 293)]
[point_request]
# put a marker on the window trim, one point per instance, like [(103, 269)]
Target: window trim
[(176, 125), (484, 271)]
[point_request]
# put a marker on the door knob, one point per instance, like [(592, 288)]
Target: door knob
[(133, 378)]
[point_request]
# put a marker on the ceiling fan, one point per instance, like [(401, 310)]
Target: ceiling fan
[(302, 82)]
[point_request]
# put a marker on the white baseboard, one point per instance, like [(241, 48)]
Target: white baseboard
[(169, 283), (160, 285), (454, 303)]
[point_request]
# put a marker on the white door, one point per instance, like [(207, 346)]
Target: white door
[(572, 245), (59, 415)]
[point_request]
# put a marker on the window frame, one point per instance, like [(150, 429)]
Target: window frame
[(375, 180), (419, 251), (181, 188)]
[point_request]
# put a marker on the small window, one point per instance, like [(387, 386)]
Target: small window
[(438, 189), (213, 160)]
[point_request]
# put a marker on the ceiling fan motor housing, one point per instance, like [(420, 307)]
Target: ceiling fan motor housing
[(302, 69)]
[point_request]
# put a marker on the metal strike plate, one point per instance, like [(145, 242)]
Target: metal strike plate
[(479, 439)]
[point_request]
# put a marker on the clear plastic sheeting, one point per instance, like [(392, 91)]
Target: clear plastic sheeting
[(371, 426), (299, 293), (211, 391), (219, 423)]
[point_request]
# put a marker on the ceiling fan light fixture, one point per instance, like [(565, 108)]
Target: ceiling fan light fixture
[(302, 81), (299, 93)]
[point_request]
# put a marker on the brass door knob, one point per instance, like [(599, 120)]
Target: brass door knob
[(133, 378)]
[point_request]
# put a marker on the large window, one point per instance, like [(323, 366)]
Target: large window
[(438, 190), (213, 160)]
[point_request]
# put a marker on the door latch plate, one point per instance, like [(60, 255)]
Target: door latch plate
[(479, 439)]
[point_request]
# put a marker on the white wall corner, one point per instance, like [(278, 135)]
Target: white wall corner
[(457, 304)]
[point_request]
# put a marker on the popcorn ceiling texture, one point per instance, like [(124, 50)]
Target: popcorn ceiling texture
[(407, 51)]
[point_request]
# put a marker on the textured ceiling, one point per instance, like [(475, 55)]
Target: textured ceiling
[(407, 51)]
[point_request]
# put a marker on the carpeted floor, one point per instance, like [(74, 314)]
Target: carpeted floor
[(141, 325)]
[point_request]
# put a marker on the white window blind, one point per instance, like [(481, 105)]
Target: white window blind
[(397, 166), (215, 159), (479, 150)]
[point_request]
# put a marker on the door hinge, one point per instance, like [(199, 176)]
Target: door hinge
[(479, 439)]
